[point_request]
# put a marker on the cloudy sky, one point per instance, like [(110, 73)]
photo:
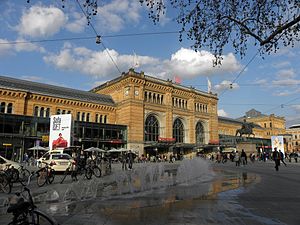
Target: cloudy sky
[(44, 42)]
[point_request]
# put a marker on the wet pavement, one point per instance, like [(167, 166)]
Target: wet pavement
[(223, 194)]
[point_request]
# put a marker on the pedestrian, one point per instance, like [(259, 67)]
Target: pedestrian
[(276, 158), (237, 158), (243, 157), (124, 161), (281, 155), (130, 159)]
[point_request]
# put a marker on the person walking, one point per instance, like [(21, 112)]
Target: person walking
[(243, 157), (237, 158), (276, 158), (281, 155), (124, 161)]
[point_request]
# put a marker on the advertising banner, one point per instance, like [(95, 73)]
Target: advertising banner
[(277, 142), (60, 131)]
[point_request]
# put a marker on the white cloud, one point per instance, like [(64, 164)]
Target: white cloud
[(113, 16), (185, 63), (40, 21), (27, 47), (221, 112), (78, 23), (5, 47), (282, 64), (225, 85), (20, 45), (188, 63), (286, 74)]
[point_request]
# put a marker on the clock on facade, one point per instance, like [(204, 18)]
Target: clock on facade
[(136, 92)]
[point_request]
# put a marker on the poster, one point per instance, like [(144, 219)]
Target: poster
[(277, 142), (60, 131)]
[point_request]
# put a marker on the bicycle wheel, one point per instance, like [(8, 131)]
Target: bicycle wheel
[(97, 171), (23, 176), (40, 218), (5, 185), (67, 171), (42, 177), (51, 175), (88, 173)]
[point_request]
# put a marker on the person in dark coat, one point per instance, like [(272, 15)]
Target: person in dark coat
[(276, 158)]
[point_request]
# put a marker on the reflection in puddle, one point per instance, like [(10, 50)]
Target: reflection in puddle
[(201, 202)]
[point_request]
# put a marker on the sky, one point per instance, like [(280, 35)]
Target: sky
[(44, 42)]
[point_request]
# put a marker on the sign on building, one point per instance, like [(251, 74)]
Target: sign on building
[(277, 142), (60, 131)]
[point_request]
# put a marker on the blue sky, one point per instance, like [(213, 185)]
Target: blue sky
[(69, 56)]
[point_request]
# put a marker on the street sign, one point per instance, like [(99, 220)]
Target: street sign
[(7, 144)]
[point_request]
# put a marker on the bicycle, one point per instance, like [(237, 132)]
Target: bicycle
[(5, 184), (12, 173), (95, 169), (45, 175), (23, 175), (25, 212), (76, 169)]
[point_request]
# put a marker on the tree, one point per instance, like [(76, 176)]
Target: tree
[(215, 23)]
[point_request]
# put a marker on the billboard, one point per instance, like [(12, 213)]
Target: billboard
[(60, 131), (277, 142)]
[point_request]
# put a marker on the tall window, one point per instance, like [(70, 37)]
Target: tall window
[(96, 119), (78, 116), (9, 108), (36, 111), (88, 117), (42, 110), (199, 133), (151, 128), (178, 130), (105, 119), (48, 112), (2, 107), (83, 116)]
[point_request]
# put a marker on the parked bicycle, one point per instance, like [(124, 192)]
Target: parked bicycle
[(5, 184), (45, 175), (75, 170), (25, 212), (23, 174)]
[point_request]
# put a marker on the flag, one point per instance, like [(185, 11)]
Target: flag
[(208, 86), (177, 79)]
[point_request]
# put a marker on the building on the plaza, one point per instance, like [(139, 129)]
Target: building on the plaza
[(293, 142), (273, 125), (135, 111), (229, 139), (162, 116), (26, 107)]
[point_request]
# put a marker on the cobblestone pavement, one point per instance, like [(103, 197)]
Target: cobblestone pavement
[(251, 194)]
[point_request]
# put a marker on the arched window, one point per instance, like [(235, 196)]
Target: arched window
[(100, 119), (105, 119), (178, 130), (78, 116), (2, 107), (42, 110), (88, 117), (48, 112), (9, 108), (96, 118), (151, 128), (58, 112), (199, 133), (83, 116), (36, 111)]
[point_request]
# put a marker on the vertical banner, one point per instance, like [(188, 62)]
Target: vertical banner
[(60, 131), (277, 142)]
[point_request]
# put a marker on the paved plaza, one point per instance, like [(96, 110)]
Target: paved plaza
[(251, 194)]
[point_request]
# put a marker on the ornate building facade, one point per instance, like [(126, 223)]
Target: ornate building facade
[(25, 108), (162, 116)]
